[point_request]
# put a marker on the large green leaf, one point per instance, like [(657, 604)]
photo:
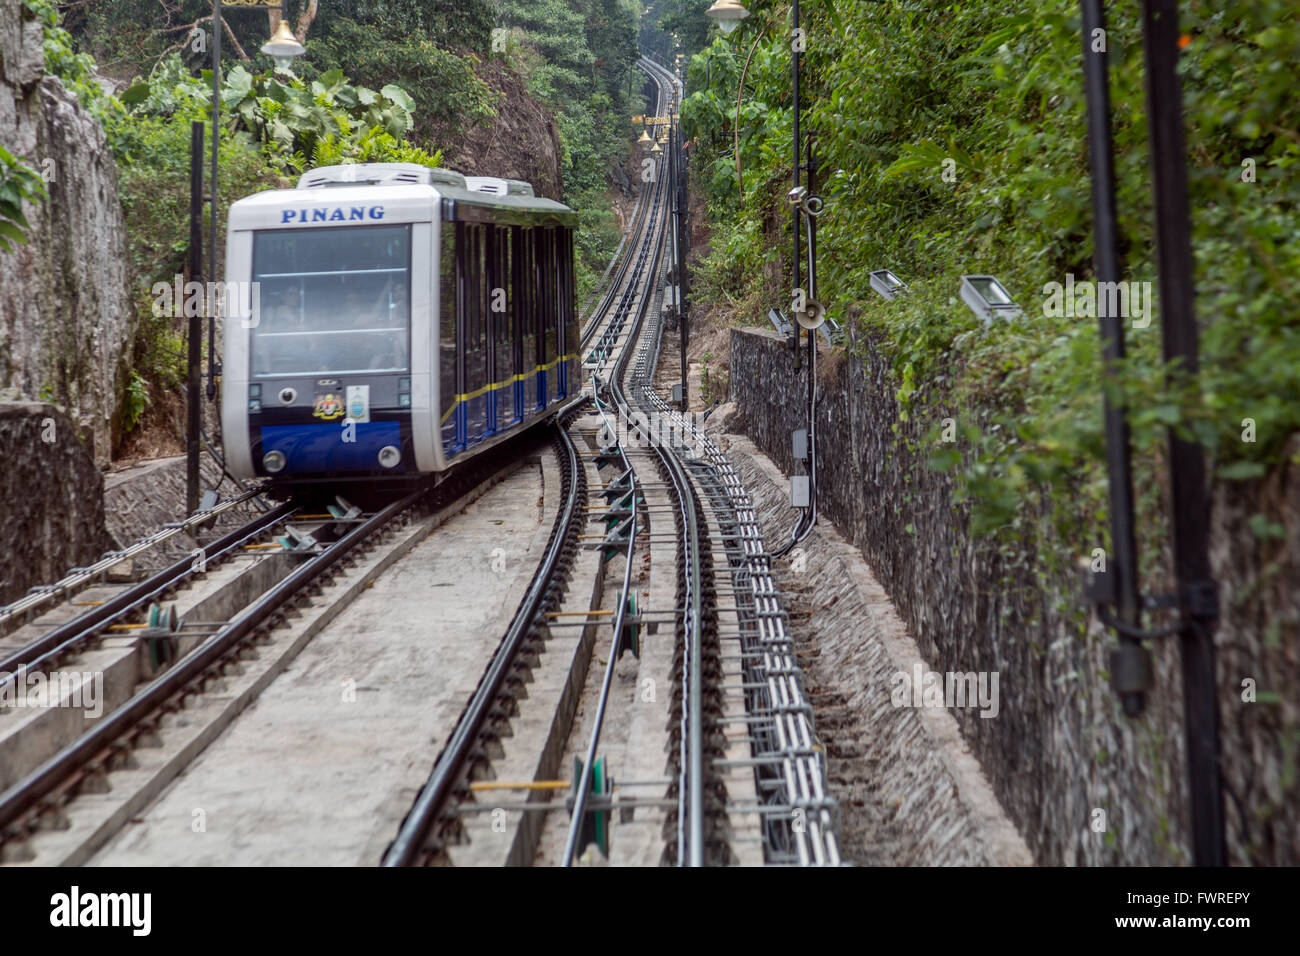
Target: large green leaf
[(329, 83), (398, 96), (137, 92)]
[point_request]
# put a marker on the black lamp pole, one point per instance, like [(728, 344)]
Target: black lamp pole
[(212, 191), (1129, 670), (194, 358), (1190, 503), (794, 342)]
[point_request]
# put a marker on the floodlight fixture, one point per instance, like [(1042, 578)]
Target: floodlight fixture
[(987, 297), (887, 285)]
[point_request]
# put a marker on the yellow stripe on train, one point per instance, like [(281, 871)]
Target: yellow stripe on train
[(493, 386)]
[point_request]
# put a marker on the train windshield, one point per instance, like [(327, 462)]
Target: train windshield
[(332, 300)]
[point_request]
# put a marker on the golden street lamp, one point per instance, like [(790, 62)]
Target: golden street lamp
[(283, 46), (728, 13)]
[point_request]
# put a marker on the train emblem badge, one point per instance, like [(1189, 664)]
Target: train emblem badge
[(358, 406), (328, 407)]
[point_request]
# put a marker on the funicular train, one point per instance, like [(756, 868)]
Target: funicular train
[(399, 320)]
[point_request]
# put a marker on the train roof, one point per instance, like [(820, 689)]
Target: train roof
[(371, 193)]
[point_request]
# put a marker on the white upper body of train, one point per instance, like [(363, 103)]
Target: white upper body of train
[(397, 319)]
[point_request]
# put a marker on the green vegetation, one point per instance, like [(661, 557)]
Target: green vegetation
[(296, 125), (75, 70), (382, 80), (274, 126), (447, 95), (579, 58), (897, 93), (18, 183)]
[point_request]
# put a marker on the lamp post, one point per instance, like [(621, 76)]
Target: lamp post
[(284, 47), (728, 14)]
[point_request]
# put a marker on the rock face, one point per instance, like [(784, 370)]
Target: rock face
[(66, 322), (520, 142), (1059, 750), (42, 535)]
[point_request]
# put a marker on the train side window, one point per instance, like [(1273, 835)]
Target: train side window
[(484, 285), (527, 301), (530, 284), (447, 333), (568, 311), (544, 280), (502, 283), (550, 317)]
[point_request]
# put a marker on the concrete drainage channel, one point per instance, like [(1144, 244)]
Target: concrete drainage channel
[(73, 791), (503, 768)]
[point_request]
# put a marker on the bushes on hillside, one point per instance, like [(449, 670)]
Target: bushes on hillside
[(952, 140)]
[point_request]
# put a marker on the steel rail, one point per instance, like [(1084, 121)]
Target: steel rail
[(638, 213), (584, 783), (691, 772), (407, 844), (80, 578), (645, 211), (690, 804), (84, 626), (784, 735), (618, 258), (27, 793), (691, 818), (618, 318)]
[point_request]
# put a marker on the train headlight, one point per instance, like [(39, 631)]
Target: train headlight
[(254, 406), (274, 461), (404, 400), (389, 456)]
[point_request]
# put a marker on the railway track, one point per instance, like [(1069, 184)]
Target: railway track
[(434, 827), (745, 780), (246, 608), (754, 797), (111, 566)]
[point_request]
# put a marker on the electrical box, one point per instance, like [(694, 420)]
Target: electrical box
[(799, 496), (800, 436), (677, 393)]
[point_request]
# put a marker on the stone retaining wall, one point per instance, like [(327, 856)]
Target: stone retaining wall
[(51, 498), (1059, 749)]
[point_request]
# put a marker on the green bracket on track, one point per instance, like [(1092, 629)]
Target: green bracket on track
[(630, 637), (160, 626), (595, 825)]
